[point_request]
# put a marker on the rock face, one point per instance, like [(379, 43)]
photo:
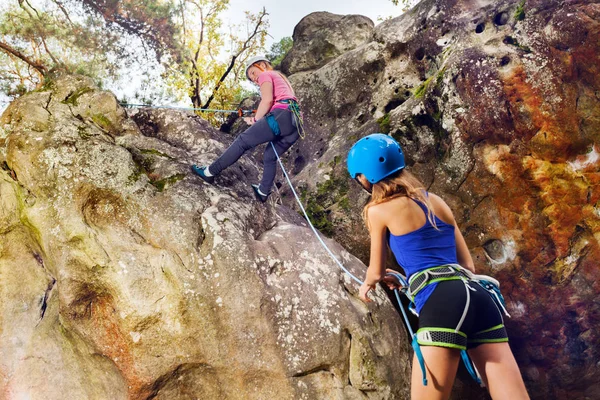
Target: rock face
[(322, 36), (123, 276), (497, 105)]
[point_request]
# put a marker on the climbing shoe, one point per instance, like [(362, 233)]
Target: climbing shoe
[(259, 196), (200, 172)]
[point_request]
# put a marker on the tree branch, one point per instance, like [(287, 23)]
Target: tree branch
[(64, 11), (234, 57), (10, 50)]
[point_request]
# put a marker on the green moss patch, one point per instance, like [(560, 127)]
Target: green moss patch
[(102, 122), (155, 152), (318, 204), (83, 132), (161, 184), (384, 123), (72, 98), (514, 42), (520, 11)]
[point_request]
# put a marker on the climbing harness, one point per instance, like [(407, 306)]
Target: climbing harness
[(405, 289), (294, 108), (452, 272), (240, 112)]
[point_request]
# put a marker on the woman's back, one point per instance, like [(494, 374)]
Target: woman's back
[(415, 242)]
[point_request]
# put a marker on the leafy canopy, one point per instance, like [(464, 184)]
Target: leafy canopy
[(176, 50)]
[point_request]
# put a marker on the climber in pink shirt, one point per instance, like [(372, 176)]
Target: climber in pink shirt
[(277, 121)]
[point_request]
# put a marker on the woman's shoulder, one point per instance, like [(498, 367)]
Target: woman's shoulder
[(441, 208), (266, 76), (384, 209), (270, 73)]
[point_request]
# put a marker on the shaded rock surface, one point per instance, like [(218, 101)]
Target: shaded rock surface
[(497, 105), (123, 276)]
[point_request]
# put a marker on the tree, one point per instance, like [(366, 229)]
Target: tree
[(279, 50), (36, 40), (213, 62), (405, 4), (199, 59)]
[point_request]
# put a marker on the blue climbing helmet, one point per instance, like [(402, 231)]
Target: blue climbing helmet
[(375, 156)]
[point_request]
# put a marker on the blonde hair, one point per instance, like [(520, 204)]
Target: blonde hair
[(400, 184)]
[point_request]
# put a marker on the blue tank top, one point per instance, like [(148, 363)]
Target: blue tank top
[(424, 248)]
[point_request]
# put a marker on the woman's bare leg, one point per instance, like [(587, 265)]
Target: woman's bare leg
[(441, 364), (498, 367)]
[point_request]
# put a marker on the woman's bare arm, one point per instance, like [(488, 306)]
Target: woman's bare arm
[(266, 100), (378, 231)]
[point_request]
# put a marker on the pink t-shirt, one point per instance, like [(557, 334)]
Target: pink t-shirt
[(281, 89)]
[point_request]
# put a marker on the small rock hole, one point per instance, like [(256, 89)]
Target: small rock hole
[(505, 61), (480, 28), (501, 18), (420, 54)]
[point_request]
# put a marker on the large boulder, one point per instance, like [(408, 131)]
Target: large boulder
[(123, 276), (497, 106), (321, 36)]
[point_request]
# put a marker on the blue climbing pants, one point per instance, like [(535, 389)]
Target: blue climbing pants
[(260, 132)]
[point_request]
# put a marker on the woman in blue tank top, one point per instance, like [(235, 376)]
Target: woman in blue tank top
[(454, 313)]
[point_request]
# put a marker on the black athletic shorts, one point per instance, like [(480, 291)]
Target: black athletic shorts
[(460, 315)]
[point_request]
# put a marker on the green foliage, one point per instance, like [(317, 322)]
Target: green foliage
[(384, 123), (212, 64), (41, 36), (279, 50), (180, 48), (422, 89), (520, 11), (405, 4)]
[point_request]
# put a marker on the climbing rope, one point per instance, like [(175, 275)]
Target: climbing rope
[(239, 111), (333, 257)]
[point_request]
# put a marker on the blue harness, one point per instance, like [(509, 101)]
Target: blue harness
[(294, 108)]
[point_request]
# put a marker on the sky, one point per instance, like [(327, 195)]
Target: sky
[(285, 14)]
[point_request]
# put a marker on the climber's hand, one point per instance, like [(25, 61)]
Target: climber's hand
[(364, 291), (391, 281), (249, 120)]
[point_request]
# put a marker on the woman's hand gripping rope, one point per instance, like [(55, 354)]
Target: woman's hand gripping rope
[(391, 280)]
